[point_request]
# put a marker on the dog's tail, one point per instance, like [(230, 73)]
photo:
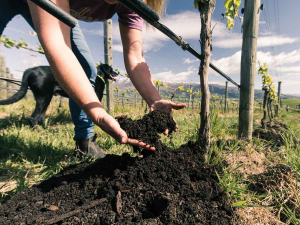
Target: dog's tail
[(21, 93)]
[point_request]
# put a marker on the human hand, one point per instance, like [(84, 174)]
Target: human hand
[(167, 106), (108, 124)]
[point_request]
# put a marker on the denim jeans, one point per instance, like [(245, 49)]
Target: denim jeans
[(84, 127)]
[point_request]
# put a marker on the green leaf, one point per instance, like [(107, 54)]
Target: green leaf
[(232, 8), (7, 45), (226, 3), (230, 23), (196, 4), (240, 203), (40, 49), (118, 70)]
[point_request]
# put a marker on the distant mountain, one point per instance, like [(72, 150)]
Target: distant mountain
[(291, 96), (233, 92)]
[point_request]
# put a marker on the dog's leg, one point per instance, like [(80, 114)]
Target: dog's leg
[(99, 87), (47, 101), (38, 115)]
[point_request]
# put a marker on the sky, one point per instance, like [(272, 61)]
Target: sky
[(278, 45)]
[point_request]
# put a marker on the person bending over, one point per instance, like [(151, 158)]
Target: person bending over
[(73, 67)]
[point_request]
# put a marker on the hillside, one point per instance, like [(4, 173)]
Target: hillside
[(233, 92)]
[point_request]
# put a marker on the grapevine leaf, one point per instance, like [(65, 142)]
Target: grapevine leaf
[(232, 8)]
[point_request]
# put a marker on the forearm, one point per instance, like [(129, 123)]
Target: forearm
[(70, 75), (136, 65), (141, 78)]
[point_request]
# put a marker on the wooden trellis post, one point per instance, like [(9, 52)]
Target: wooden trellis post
[(279, 94), (248, 67), (226, 95), (108, 59)]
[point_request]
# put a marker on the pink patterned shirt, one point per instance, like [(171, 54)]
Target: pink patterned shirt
[(99, 10)]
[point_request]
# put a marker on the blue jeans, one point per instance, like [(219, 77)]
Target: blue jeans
[(84, 127)]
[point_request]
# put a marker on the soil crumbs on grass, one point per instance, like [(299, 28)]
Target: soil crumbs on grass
[(167, 187)]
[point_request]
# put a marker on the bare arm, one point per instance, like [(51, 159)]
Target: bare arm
[(139, 71), (136, 65)]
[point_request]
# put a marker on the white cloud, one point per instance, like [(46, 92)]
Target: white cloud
[(189, 61), (184, 76), (290, 84), (118, 47), (186, 24), (283, 62), (98, 32), (236, 41), (289, 69), (231, 65), (30, 63), (275, 41)]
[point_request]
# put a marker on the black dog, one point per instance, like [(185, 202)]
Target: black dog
[(43, 86)]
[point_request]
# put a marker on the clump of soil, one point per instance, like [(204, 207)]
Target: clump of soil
[(172, 186), (148, 128)]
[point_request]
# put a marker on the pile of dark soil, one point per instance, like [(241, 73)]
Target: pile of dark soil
[(168, 187)]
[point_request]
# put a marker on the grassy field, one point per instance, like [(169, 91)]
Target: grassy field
[(291, 102), (30, 155)]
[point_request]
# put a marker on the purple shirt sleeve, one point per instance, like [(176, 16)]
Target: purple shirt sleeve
[(129, 18)]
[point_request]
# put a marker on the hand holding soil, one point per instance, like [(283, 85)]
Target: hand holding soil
[(148, 128), (142, 133), (108, 124), (167, 106)]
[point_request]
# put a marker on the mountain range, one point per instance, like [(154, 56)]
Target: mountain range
[(215, 89)]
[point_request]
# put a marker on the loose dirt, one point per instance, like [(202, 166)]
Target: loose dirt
[(148, 128), (171, 186)]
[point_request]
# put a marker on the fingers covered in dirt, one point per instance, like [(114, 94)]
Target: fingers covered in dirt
[(108, 124)]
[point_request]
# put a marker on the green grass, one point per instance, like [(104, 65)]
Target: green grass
[(30, 155), (291, 102)]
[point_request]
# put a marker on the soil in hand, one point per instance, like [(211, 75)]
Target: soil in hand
[(148, 128), (172, 186)]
